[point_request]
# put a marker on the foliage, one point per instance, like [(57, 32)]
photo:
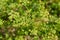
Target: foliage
[(29, 19)]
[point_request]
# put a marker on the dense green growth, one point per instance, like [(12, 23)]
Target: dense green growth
[(29, 19)]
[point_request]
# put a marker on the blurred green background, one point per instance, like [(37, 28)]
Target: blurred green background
[(29, 19)]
